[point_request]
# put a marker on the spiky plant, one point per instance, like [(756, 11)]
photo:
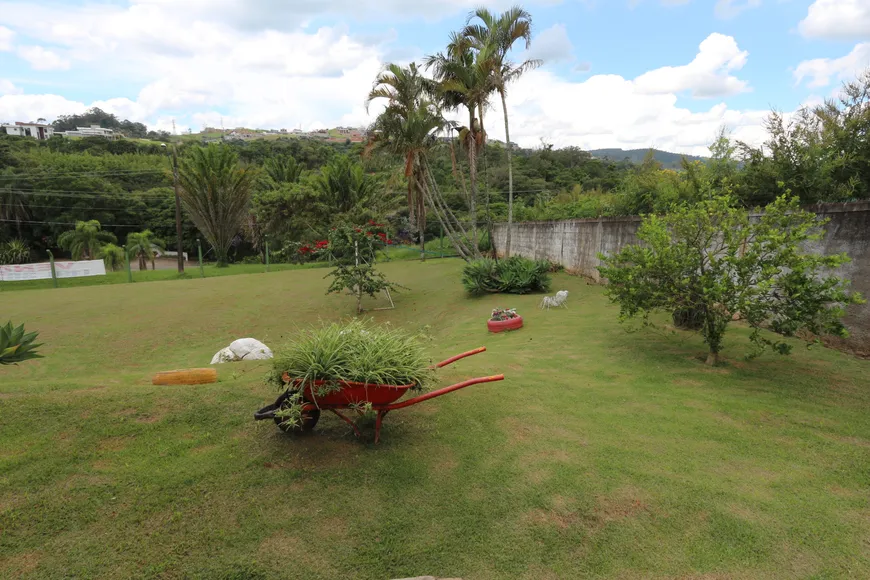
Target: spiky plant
[(16, 346)]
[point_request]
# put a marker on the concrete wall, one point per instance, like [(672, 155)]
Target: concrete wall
[(576, 243)]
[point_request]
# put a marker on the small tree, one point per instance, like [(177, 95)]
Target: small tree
[(86, 240), (354, 250), (141, 245), (113, 256), (714, 260)]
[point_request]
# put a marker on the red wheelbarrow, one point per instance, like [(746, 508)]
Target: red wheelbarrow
[(355, 396)]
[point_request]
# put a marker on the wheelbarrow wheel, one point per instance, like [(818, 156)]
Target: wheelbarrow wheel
[(310, 417)]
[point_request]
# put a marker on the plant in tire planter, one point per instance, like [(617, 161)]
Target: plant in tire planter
[(503, 319)]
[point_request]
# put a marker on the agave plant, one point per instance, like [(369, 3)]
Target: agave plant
[(16, 346)]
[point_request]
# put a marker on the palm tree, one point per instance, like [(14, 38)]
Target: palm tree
[(86, 240), (343, 185), (142, 245), (13, 208), (499, 34), (113, 256), (215, 191), (409, 127), (466, 79), (283, 169), (403, 89)]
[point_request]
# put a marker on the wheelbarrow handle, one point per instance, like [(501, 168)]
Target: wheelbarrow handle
[(440, 392), (453, 359)]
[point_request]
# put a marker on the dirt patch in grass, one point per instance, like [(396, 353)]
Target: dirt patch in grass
[(19, 565), (444, 462), (282, 548), (623, 503), (88, 390), (561, 520), (113, 444)]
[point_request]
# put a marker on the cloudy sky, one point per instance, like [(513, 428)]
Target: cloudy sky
[(618, 73)]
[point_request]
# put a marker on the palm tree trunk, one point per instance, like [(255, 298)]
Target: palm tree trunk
[(472, 177), (507, 140), (143, 265)]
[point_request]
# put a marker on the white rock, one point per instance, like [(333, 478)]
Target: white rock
[(223, 356), (250, 349)]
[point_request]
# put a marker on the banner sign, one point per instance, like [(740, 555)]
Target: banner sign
[(42, 270)]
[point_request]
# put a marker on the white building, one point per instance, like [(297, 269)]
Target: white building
[(38, 131), (92, 131)]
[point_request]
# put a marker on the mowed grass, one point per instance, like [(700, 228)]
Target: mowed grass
[(603, 454)]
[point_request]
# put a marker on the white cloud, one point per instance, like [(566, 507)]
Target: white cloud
[(552, 45), (727, 9), (610, 111), (6, 36), (837, 19), (7, 88), (821, 71), (190, 61), (42, 59), (706, 76)]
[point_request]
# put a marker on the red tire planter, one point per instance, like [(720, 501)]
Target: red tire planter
[(503, 325)]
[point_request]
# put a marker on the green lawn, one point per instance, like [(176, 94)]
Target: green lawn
[(210, 270), (603, 454)]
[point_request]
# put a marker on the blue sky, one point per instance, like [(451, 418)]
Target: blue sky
[(626, 73)]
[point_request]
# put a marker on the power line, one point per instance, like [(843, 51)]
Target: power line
[(86, 194), (114, 172), (68, 224), (68, 207)]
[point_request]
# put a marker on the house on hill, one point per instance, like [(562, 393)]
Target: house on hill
[(92, 131), (38, 131)]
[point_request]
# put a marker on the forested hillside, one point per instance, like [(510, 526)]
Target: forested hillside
[(666, 159), (301, 187)]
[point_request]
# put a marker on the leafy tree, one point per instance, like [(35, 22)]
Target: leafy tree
[(86, 240), (495, 37), (713, 260), (216, 192), (142, 245)]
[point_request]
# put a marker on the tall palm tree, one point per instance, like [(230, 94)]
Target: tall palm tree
[(13, 207), (465, 78), (215, 191), (403, 89), (86, 240), (409, 127), (142, 245), (499, 34)]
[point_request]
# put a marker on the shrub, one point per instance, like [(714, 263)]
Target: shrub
[(14, 252), (357, 351), (514, 275), (16, 346)]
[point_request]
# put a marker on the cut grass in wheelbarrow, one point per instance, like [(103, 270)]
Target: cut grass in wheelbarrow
[(356, 366)]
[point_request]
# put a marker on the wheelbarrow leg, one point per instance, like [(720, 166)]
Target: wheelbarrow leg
[(378, 423), (349, 422)]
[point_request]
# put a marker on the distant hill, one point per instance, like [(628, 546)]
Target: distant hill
[(667, 159)]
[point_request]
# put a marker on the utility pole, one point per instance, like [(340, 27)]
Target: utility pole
[(180, 246)]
